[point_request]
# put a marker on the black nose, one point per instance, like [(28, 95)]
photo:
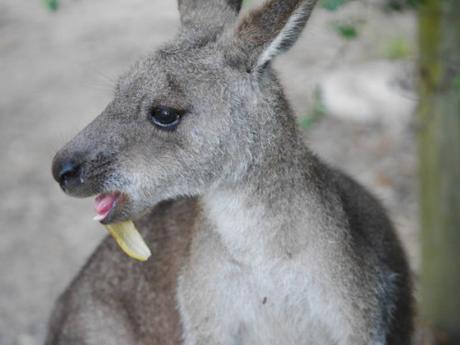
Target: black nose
[(67, 173)]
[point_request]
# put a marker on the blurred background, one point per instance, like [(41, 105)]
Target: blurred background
[(352, 79)]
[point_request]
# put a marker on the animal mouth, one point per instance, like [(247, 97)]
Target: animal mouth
[(124, 232), (107, 204)]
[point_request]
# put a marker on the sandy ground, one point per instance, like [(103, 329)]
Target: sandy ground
[(57, 72)]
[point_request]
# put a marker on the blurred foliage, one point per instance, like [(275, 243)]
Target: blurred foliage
[(398, 48), (391, 5), (318, 111), (246, 2), (347, 31), (51, 5), (332, 5), (457, 82), (400, 5)]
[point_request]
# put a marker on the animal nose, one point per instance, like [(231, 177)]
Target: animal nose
[(67, 173)]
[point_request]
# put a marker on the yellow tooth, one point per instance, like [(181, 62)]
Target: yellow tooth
[(129, 240)]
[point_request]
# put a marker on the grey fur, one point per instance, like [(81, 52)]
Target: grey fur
[(277, 248)]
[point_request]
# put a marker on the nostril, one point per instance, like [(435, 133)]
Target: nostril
[(69, 171)]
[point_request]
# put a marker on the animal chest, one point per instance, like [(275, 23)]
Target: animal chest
[(225, 301)]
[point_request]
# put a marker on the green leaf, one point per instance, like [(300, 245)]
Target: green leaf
[(398, 48), (332, 5), (347, 31), (318, 111), (306, 122), (51, 5), (401, 5), (457, 82)]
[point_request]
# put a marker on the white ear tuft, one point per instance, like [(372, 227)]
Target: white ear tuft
[(286, 38)]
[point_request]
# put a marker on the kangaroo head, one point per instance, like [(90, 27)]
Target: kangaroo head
[(196, 113)]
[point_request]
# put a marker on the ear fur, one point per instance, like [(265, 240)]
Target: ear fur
[(208, 15), (272, 29)]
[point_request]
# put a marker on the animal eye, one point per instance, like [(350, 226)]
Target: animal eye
[(165, 117)]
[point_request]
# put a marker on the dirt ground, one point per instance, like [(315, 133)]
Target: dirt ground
[(57, 72)]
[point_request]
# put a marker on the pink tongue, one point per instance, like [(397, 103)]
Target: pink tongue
[(104, 203)]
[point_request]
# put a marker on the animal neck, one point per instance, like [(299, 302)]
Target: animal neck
[(257, 214)]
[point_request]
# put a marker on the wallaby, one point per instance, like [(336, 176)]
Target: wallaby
[(271, 247)]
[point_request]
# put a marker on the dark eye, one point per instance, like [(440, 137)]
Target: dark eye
[(165, 117)]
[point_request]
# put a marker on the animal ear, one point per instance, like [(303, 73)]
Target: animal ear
[(208, 15), (271, 29)]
